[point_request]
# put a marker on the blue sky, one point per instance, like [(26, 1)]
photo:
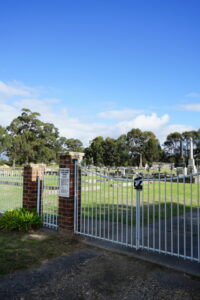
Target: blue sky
[(102, 67)]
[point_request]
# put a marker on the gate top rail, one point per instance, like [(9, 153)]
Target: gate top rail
[(170, 178)]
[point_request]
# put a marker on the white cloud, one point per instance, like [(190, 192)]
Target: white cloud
[(192, 107), (53, 100), (14, 89), (119, 114), (7, 114), (162, 134), (193, 95), (74, 127), (33, 104), (145, 122)]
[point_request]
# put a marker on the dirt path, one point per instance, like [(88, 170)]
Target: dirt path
[(92, 273)]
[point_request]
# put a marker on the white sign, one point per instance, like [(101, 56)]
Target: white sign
[(64, 182)]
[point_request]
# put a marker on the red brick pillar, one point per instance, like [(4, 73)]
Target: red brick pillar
[(66, 204), (31, 173)]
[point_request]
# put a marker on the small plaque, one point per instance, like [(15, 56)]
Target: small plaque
[(64, 182), (138, 183)]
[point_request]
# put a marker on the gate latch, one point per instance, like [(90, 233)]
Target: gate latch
[(138, 183)]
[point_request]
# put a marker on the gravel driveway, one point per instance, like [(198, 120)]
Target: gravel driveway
[(92, 273)]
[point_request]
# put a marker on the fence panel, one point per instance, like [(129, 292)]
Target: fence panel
[(162, 217), (171, 216), (11, 189)]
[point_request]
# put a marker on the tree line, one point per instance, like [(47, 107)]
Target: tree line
[(28, 139), (126, 150)]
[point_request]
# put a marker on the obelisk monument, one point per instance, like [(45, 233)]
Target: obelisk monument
[(191, 163), (181, 169)]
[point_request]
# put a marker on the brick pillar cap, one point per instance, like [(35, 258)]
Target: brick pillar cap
[(73, 155), (33, 166)]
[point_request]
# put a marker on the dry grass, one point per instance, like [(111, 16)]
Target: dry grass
[(22, 251)]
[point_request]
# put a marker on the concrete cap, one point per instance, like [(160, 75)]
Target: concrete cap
[(74, 155), (32, 165)]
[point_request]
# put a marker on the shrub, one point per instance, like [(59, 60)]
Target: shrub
[(20, 219)]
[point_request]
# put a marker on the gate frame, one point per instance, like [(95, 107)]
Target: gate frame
[(138, 244)]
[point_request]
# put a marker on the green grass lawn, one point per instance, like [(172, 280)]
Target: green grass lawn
[(113, 192), (22, 251), (113, 202), (10, 196)]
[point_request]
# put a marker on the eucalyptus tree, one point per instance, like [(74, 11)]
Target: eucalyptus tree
[(70, 144), (96, 151), (122, 156), (145, 143), (4, 140), (109, 152), (31, 139), (173, 142)]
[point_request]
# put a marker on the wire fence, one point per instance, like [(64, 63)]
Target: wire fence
[(11, 189)]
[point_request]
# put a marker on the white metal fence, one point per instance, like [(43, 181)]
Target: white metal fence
[(48, 190), (11, 189), (162, 217)]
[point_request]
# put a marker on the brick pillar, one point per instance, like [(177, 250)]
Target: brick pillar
[(31, 173), (66, 204)]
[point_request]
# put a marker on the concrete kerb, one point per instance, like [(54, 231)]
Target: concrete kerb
[(167, 261), (171, 262)]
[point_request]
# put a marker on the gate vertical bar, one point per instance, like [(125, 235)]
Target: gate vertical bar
[(38, 195), (75, 196), (198, 223)]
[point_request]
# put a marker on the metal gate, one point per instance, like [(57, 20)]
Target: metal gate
[(47, 198), (162, 217)]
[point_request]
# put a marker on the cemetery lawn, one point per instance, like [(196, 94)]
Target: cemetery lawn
[(114, 203), (117, 203), (22, 251), (10, 196), (114, 200)]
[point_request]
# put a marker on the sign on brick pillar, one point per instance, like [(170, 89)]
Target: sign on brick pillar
[(31, 174), (66, 202)]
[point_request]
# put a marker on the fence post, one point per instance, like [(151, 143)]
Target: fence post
[(30, 185), (68, 204), (137, 219), (138, 187)]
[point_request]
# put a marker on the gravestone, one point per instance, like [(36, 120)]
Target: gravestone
[(128, 171), (181, 171), (122, 170)]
